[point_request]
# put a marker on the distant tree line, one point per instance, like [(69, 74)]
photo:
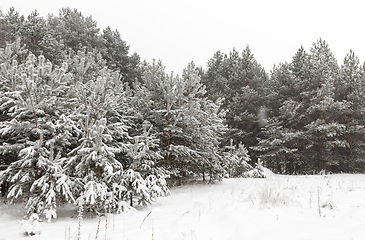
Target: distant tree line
[(69, 33), (307, 116), (82, 119)]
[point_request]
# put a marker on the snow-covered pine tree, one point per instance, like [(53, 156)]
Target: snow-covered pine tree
[(9, 60), (158, 100), (189, 126), (93, 160), (43, 108), (236, 160), (102, 122), (144, 180), (32, 102), (51, 188), (204, 126), (237, 164)]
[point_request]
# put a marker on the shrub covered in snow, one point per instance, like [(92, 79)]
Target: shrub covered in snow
[(31, 226), (257, 172), (237, 163)]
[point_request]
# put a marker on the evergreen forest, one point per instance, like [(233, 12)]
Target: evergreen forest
[(83, 120)]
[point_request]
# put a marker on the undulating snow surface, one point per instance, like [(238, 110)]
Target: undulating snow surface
[(280, 207)]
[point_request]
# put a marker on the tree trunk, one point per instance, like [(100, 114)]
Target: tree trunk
[(350, 142), (168, 141), (320, 159), (131, 200)]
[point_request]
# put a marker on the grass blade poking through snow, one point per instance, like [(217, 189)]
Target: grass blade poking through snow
[(144, 219)]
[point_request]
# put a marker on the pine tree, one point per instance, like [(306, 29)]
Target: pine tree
[(93, 160), (327, 129), (70, 31), (308, 121), (189, 126), (239, 80), (51, 188), (281, 142), (115, 51), (75, 30), (350, 88), (144, 180), (29, 101), (11, 25)]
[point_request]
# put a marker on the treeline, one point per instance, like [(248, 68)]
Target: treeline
[(307, 116), (70, 32), (84, 120), (316, 110)]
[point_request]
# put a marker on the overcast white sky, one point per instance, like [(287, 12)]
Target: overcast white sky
[(180, 31)]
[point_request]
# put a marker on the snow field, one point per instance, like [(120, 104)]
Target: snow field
[(280, 207)]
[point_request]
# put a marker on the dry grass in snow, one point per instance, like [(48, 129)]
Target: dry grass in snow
[(280, 207)]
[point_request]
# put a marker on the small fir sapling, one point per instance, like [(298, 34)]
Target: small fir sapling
[(123, 206), (157, 186), (136, 188), (257, 172), (237, 163), (95, 196)]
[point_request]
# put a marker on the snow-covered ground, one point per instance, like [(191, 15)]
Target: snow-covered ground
[(280, 207)]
